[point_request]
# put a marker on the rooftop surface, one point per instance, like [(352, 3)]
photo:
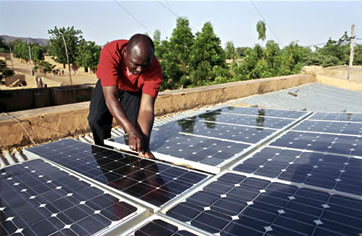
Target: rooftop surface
[(253, 171)]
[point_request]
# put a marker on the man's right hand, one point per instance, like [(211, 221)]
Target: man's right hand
[(135, 141)]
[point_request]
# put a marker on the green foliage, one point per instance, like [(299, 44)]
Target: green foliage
[(261, 29), (4, 70), (206, 52), (21, 50), (357, 60), (332, 53), (240, 51), (44, 67), (230, 51), (175, 55), (56, 47), (3, 46), (88, 54)]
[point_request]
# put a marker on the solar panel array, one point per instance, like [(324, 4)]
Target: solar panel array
[(234, 205), (150, 181), (37, 198), (214, 139), (306, 181), (325, 170)]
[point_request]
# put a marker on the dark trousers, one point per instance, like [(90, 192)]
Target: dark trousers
[(100, 119)]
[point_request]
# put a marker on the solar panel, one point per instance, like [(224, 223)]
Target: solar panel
[(160, 225), (263, 112), (215, 130), (153, 182), (337, 116), (330, 143), (235, 204), (205, 154), (37, 198), (330, 127), (324, 170), (239, 119)]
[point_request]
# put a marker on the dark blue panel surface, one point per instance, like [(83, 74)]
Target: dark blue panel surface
[(207, 151), (336, 116), (253, 206), (260, 120), (160, 227), (39, 199), (330, 127), (322, 170), (148, 180), (331, 143), (215, 130), (265, 112)]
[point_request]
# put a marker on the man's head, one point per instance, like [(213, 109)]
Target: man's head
[(138, 54)]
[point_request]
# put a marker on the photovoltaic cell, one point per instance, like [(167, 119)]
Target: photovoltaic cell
[(239, 119), (37, 198), (198, 149), (323, 170), (330, 127), (207, 129), (148, 180), (235, 205), (160, 227), (331, 143), (336, 116), (265, 112)]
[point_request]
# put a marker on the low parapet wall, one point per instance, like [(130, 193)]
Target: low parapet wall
[(22, 99), (51, 123)]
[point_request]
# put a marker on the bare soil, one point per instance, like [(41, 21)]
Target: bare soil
[(22, 67)]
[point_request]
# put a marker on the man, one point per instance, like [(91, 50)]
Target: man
[(129, 79)]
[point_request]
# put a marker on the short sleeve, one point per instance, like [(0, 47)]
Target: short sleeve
[(152, 79), (107, 70)]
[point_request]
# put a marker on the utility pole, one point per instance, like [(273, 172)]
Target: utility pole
[(66, 53), (11, 59), (351, 53), (31, 65)]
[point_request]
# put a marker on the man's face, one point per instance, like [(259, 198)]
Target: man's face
[(136, 60)]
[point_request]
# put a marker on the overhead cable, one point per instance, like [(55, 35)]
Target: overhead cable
[(132, 16), (261, 15)]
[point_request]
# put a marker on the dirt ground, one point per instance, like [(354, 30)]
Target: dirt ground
[(22, 67)]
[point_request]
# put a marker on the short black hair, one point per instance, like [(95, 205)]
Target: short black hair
[(138, 38)]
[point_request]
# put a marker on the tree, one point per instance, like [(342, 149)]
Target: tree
[(332, 53), (261, 29), (4, 71), (44, 67), (205, 54), (56, 48), (358, 55), (88, 54), (3, 46), (175, 55), (21, 50), (230, 52)]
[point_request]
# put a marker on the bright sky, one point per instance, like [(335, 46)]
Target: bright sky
[(308, 22)]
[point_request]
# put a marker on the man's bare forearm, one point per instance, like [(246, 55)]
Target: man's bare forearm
[(134, 137)]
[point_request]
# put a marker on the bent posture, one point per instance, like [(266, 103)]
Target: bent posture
[(129, 79)]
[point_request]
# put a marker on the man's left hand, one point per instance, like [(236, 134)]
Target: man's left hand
[(147, 154)]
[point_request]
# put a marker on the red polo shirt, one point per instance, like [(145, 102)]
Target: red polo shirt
[(112, 72)]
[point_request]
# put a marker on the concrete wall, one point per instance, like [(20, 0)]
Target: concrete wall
[(22, 99), (52, 123)]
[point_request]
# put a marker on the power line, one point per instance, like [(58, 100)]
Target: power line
[(171, 11), (261, 15), (132, 16)]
